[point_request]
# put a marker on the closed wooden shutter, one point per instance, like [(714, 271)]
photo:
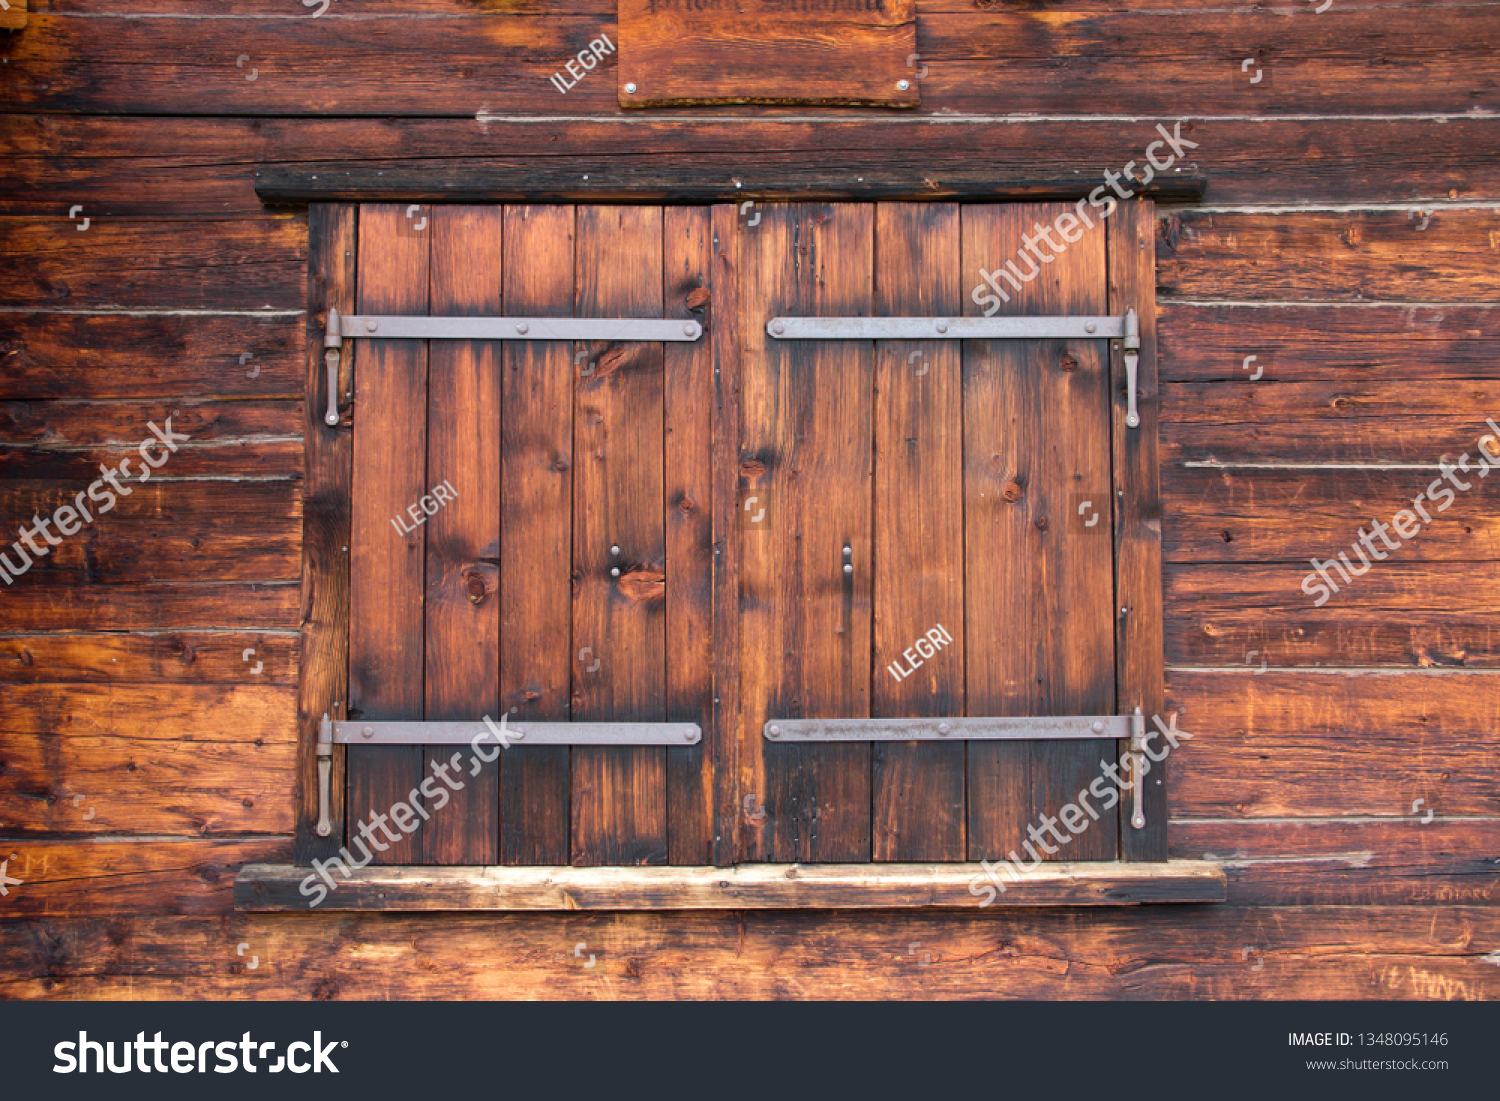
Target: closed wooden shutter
[(887, 490)]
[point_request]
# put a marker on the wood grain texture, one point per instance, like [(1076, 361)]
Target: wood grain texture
[(1136, 465), (1242, 614), (1224, 514), (113, 356), (70, 603), (536, 626), (164, 657), (688, 468), (386, 658), (328, 486), (806, 455), (918, 792), (190, 760), (110, 876), (256, 262), (729, 739), (265, 887), (1154, 952), (828, 52), (619, 793), (461, 604), (1039, 614), (1334, 744), (1343, 256)]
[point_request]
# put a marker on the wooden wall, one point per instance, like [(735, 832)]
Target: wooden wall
[(1350, 239)]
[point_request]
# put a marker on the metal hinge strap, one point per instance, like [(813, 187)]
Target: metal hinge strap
[(1005, 728), (947, 328), (355, 732)]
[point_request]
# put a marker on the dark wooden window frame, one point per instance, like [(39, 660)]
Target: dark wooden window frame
[(1145, 874)]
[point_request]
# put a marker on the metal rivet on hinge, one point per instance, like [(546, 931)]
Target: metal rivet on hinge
[(630, 89), (848, 554), (371, 326), (1098, 728), (944, 728), (903, 85), (942, 326), (1090, 327), (523, 327), (690, 329), (368, 732), (774, 731)]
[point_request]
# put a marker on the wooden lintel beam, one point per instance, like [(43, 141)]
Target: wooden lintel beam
[(688, 179)]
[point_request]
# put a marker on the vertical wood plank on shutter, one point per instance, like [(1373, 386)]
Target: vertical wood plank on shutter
[(619, 793), (688, 380), (328, 464), (731, 816), (806, 455), (1040, 586), (919, 537), (536, 498), (1132, 284), (462, 625), (390, 450)]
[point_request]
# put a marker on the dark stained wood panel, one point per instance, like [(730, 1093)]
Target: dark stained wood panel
[(114, 356), (461, 604), (619, 793), (918, 788), (191, 760), (1039, 592), (1135, 468), (688, 469), (1246, 614), (1289, 744), (1337, 256), (829, 52), (1135, 953), (536, 650), (806, 456), (69, 602), (1226, 514), (165, 657), (386, 652)]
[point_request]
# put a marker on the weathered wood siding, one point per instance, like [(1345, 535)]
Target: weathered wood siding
[(1350, 239)]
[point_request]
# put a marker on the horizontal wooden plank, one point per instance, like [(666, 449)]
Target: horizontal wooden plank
[(178, 759), (1238, 515), (1347, 344), (745, 887), (1361, 863), (168, 531), (1154, 952), (65, 602), (1425, 59), (247, 264), (51, 440), (1347, 256), (204, 168), (1352, 421), (155, 357), (172, 657), (1412, 614), (122, 876), (1336, 744), (689, 179)]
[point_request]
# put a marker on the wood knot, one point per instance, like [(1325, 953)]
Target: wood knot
[(641, 586), (476, 586), (1041, 523), (686, 504), (1068, 362), (698, 298), (752, 468), (1012, 492)]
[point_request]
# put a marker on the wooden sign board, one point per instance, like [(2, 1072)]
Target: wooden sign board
[(829, 52)]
